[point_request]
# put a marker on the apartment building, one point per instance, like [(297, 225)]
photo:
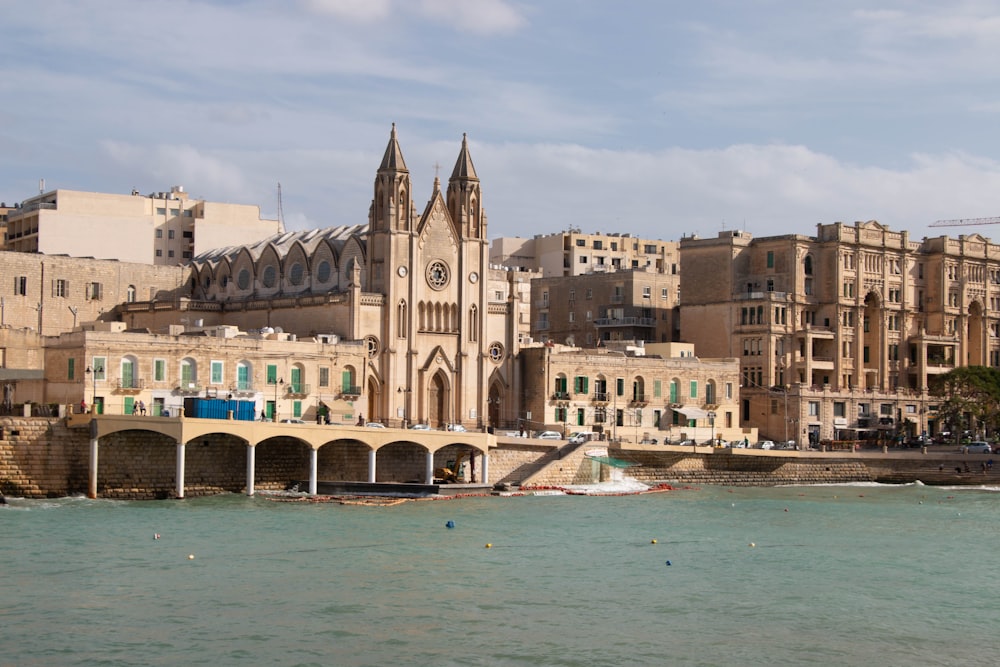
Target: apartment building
[(573, 253), (839, 334), (642, 394), (591, 309), (163, 228)]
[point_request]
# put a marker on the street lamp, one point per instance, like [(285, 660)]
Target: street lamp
[(93, 372), (281, 382), (711, 422)]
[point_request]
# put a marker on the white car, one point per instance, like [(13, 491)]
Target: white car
[(374, 425), (765, 444), (421, 427), (978, 447), (292, 421), (580, 437), (549, 435), (458, 428)]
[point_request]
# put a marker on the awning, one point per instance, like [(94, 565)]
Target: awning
[(693, 412)]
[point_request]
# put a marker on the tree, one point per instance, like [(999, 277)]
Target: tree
[(971, 394)]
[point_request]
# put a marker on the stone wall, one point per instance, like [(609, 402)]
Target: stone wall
[(41, 458)]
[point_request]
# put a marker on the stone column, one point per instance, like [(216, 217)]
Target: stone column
[(371, 466), (313, 459), (430, 468), (251, 467), (180, 470), (485, 472), (92, 483)]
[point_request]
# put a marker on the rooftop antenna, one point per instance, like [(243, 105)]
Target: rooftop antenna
[(281, 212), (41, 186)]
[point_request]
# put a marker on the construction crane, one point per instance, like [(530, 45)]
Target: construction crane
[(966, 222), (281, 212)]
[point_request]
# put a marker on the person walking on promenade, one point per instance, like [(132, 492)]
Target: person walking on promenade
[(83, 407), (142, 408)]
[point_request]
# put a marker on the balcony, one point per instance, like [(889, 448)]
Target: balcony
[(625, 322), (560, 396), (350, 392), (639, 399), (242, 389), (129, 385), (188, 389), (600, 397), (297, 389)]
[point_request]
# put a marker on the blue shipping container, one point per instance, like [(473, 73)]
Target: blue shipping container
[(218, 408)]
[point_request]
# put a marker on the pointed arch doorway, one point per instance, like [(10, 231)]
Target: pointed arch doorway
[(437, 401)]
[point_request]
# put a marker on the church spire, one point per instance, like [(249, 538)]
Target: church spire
[(464, 196), (393, 158), (464, 169), (392, 203)]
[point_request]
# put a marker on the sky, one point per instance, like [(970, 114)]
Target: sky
[(662, 119)]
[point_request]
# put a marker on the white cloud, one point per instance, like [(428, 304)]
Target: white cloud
[(365, 11), (476, 16)]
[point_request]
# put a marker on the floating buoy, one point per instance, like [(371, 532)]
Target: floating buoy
[(190, 556), (653, 541), (752, 545), (668, 563), (786, 509), (450, 524), (489, 546), (156, 536)]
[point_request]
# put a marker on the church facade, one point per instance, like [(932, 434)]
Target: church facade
[(441, 329)]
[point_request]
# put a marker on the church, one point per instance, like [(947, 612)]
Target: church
[(439, 329)]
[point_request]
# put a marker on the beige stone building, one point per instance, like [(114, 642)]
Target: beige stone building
[(660, 392), (838, 334), (573, 253), (164, 228), (588, 310), (53, 294), (114, 370)]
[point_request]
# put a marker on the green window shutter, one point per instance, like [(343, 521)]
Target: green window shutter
[(694, 389), (296, 408), (71, 369), (272, 374)]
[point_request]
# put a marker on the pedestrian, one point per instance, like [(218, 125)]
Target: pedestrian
[(142, 408), (135, 408), (83, 407)]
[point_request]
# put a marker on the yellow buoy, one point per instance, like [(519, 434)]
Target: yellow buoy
[(489, 546)]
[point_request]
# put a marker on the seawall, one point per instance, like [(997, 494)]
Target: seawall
[(41, 457)]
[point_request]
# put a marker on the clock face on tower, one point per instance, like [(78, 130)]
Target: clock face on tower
[(437, 274)]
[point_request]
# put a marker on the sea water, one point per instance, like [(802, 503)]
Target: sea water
[(817, 575)]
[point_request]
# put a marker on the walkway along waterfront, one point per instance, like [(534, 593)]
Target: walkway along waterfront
[(134, 457), (186, 432)]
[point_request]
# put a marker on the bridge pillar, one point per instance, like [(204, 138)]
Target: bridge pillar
[(486, 468), (251, 465), (429, 472), (313, 458), (92, 481), (371, 466), (180, 470)]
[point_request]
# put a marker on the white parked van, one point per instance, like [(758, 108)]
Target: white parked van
[(579, 437)]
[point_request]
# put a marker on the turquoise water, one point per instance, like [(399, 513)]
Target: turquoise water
[(839, 575)]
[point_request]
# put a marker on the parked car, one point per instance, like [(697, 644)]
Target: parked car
[(421, 427), (458, 428), (292, 421), (549, 435), (374, 424), (765, 444), (579, 437), (978, 447)]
